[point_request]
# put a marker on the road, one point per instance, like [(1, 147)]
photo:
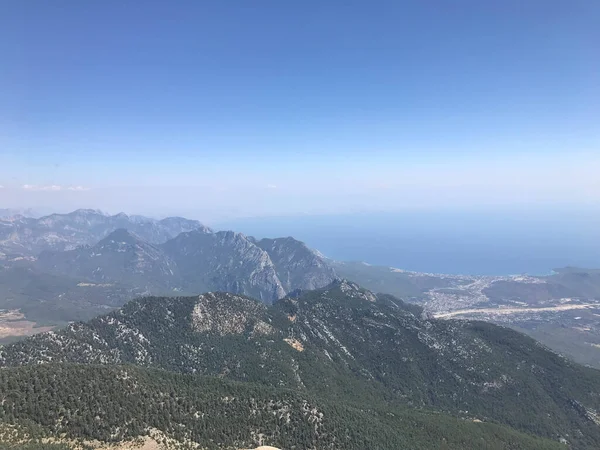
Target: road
[(462, 312)]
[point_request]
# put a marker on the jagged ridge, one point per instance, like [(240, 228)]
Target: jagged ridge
[(194, 261)]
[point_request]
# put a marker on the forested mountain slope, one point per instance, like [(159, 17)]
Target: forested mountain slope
[(116, 403), (344, 343), (121, 257)]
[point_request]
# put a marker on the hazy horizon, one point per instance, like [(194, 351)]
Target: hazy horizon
[(471, 242), (424, 118), (226, 111)]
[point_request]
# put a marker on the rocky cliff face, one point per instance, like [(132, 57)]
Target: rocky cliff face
[(159, 256), (195, 261), (297, 266), (225, 261)]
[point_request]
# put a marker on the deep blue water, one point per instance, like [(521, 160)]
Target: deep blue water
[(478, 243)]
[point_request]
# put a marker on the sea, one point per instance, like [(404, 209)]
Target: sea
[(454, 242)]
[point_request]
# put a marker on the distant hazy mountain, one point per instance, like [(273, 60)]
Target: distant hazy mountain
[(121, 257), (224, 261), (12, 212), (341, 343), (78, 266), (194, 261), (29, 236)]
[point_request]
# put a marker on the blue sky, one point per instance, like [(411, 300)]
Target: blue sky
[(225, 109)]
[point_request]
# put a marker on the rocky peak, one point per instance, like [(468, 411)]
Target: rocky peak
[(90, 215), (224, 313), (232, 237), (87, 212), (342, 288), (183, 225), (353, 290), (298, 266), (225, 261), (121, 237), (121, 215)]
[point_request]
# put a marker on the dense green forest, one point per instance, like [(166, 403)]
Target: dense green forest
[(113, 403), (34, 446)]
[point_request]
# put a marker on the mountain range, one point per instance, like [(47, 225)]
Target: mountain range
[(74, 266), (195, 261), (340, 344), (27, 236), (6, 213), (66, 267), (328, 357), (234, 342)]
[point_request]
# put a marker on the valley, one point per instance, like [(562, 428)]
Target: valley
[(13, 325)]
